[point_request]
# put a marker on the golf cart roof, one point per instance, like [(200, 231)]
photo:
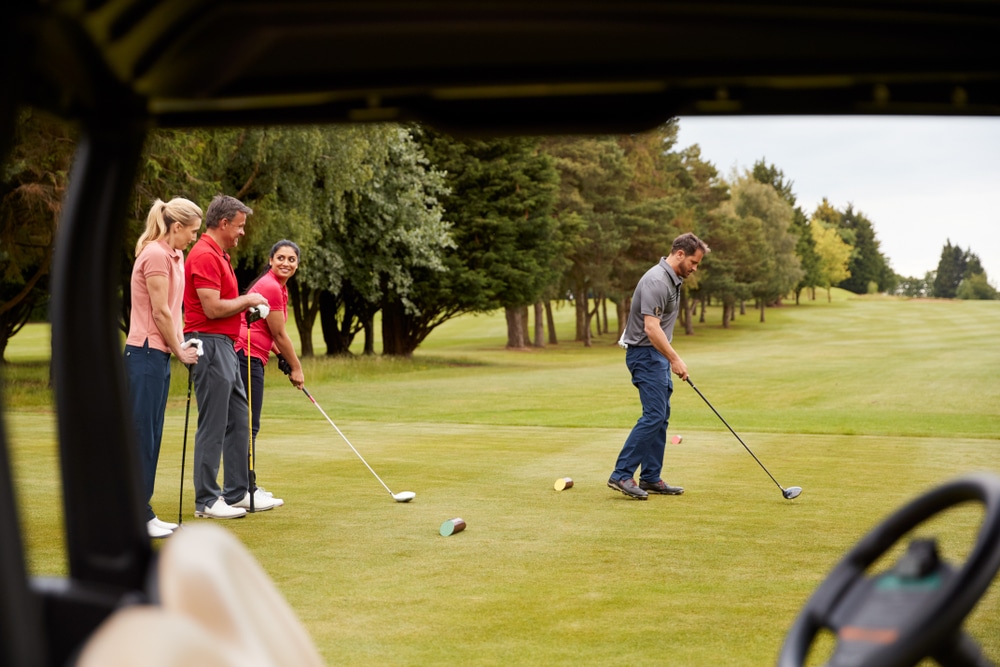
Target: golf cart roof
[(515, 66), (120, 67)]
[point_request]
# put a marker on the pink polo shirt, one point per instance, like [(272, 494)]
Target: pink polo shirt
[(156, 259)]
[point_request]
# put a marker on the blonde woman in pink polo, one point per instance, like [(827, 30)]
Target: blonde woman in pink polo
[(156, 331)]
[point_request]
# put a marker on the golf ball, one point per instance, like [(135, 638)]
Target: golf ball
[(677, 439)]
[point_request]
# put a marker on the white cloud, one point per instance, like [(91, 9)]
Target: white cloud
[(920, 180)]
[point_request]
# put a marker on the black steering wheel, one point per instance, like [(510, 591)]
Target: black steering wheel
[(915, 610)]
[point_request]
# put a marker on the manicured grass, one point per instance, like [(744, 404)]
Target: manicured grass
[(864, 402)]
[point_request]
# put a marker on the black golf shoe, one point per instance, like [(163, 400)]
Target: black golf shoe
[(628, 487), (661, 488)]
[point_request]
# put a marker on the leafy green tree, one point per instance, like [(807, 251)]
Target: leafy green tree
[(977, 287), (910, 286), (778, 270), (741, 256), (770, 174), (595, 216), (35, 176), (499, 208), (950, 271), (868, 265), (670, 193), (295, 179), (960, 274), (176, 163), (527, 244), (702, 191), (832, 256), (805, 245), (805, 248), (390, 228), (973, 265), (915, 287), (655, 201)]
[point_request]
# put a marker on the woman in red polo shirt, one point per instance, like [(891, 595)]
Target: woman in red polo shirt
[(269, 334)]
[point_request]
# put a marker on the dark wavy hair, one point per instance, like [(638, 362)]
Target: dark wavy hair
[(690, 244)]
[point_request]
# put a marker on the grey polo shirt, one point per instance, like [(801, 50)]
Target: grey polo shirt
[(657, 294)]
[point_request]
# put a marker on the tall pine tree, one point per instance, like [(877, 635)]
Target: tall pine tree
[(950, 271), (868, 266)]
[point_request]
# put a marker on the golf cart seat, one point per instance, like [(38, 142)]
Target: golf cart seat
[(217, 607)]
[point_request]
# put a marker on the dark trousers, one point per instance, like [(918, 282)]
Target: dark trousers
[(646, 443), (254, 388), (223, 433), (148, 373)]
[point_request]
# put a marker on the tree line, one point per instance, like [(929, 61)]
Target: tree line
[(959, 275), (421, 227)]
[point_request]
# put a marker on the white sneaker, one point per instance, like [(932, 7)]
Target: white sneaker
[(278, 502), (261, 502), (156, 531), (220, 510), (165, 525)]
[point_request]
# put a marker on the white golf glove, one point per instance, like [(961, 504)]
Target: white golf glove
[(262, 311), (196, 342)]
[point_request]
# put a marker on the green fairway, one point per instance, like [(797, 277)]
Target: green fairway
[(863, 402)]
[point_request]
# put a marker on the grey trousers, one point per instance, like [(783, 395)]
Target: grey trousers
[(223, 432)]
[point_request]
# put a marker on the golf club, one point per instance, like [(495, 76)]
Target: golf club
[(187, 415), (790, 492), (252, 316), (402, 496)]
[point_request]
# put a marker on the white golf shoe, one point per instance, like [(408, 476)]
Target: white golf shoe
[(278, 502), (220, 510), (165, 525), (261, 502), (155, 531)]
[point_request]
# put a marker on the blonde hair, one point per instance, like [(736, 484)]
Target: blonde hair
[(162, 215)]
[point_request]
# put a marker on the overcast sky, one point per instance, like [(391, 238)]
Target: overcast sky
[(920, 181)]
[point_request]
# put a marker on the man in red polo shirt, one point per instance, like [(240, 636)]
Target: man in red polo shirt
[(213, 307)]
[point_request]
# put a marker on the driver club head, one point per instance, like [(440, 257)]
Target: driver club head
[(791, 492), (405, 496)]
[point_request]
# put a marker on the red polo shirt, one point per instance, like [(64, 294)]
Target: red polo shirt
[(260, 336), (208, 267)]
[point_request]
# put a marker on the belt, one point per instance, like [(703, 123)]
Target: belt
[(195, 334)]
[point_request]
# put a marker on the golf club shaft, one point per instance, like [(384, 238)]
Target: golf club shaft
[(688, 380), (187, 415), (309, 396), (251, 475)]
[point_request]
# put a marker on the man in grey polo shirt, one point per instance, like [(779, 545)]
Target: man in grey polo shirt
[(650, 357)]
